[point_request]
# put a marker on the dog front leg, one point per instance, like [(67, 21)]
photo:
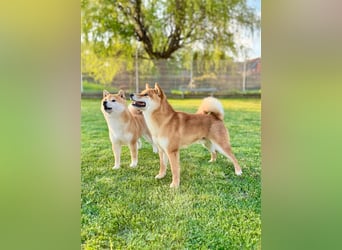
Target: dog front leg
[(175, 168), (133, 147), (163, 164), (117, 154)]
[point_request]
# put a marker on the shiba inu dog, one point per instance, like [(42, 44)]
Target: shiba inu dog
[(171, 129), (125, 124)]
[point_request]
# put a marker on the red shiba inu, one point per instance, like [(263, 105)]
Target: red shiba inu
[(171, 129)]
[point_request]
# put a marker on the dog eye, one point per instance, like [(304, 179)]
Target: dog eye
[(146, 94), (113, 101)]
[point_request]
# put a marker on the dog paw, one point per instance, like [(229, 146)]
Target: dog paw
[(116, 167), (239, 172), (174, 185), (133, 164), (160, 176)]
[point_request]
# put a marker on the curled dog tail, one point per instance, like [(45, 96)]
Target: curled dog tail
[(211, 105)]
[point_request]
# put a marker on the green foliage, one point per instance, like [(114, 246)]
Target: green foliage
[(184, 30), (104, 66), (164, 27), (212, 209)]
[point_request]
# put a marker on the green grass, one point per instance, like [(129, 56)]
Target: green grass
[(212, 209)]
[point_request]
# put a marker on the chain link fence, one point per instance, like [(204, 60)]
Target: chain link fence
[(219, 77)]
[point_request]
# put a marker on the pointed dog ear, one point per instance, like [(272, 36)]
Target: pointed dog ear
[(105, 93), (147, 86), (122, 94), (158, 89)]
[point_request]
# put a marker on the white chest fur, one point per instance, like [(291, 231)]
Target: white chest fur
[(152, 125), (118, 130), (155, 130)]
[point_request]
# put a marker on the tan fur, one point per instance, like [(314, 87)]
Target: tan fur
[(211, 105), (171, 130), (125, 124)]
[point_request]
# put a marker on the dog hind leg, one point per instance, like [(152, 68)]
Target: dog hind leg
[(149, 139), (139, 144), (211, 149), (226, 150)]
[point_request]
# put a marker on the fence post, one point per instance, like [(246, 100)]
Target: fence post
[(244, 76)]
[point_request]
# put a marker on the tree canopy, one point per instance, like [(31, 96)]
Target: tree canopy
[(165, 26)]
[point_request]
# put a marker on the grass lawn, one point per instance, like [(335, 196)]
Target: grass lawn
[(212, 209)]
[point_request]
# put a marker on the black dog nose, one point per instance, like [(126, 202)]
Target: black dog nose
[(105, 103)]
